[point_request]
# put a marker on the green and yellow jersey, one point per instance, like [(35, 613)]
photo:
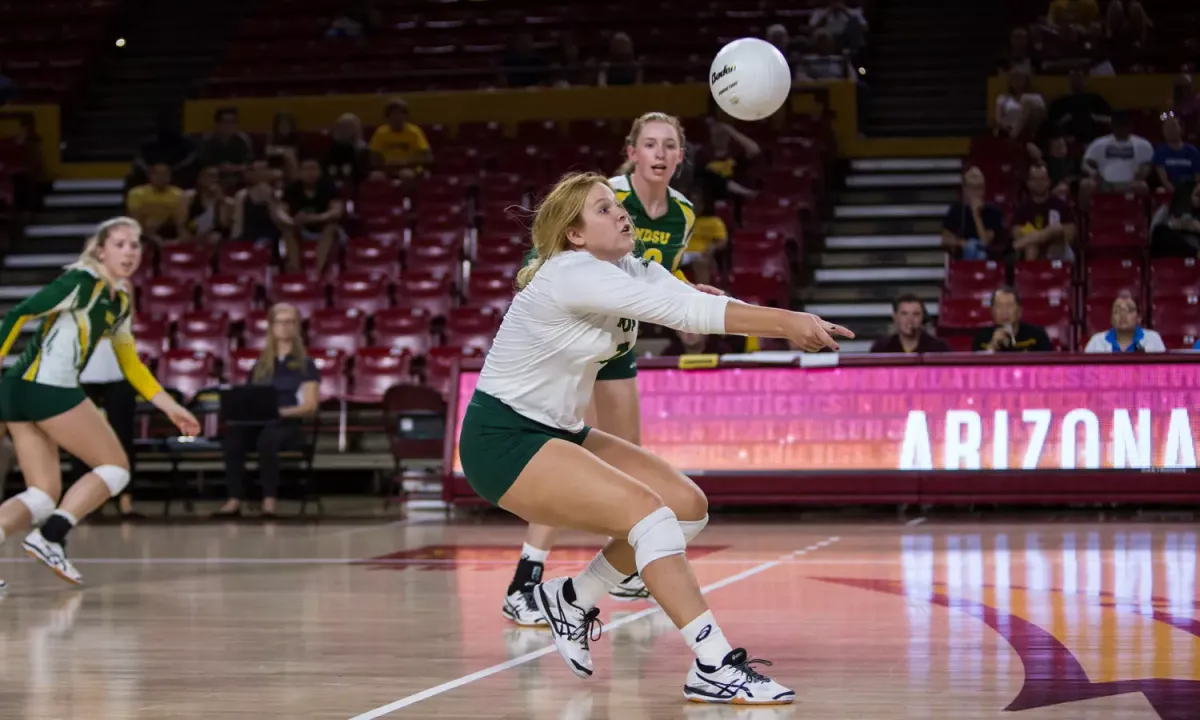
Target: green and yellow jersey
[(663, 239), (76, 311)]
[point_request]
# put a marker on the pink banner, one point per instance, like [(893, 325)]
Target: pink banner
[(1009, 417)]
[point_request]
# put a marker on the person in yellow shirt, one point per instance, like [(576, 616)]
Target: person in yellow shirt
[(399, 145), (709, 236), (156, 205)]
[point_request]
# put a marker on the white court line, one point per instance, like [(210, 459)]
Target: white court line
[(914, 522), (528, 657)]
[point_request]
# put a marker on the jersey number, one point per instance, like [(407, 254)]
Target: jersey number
[(653, 255)]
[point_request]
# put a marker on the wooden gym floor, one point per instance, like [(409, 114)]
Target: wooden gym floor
[(402, 620)]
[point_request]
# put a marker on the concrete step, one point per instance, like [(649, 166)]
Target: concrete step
[(85, 200), (883, 242), (73, 230), (82, 186), (879, 258), (880, 275), (897, 196), (903, 180), (845, 212), (905, 165), (859, 310), (839, 293), (878, 226)]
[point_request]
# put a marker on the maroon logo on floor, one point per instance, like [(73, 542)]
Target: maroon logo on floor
[(1053, 675), (456, 557)]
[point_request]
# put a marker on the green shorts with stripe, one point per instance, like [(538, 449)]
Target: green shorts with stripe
[(497, 442), (25, 401), (621, 367)]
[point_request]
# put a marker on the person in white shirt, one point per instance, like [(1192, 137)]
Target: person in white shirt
[(1127, 334), (524, 445), (1119, 162)]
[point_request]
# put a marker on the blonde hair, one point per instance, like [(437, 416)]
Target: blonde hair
[(87, 259), (636, 131), (560, 211), (264, 368)]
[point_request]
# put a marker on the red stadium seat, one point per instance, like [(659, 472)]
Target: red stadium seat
[(245, 260), (331, 363), (437, 260), (187, 371), (168, 296), (152, 334), (1107, 276), (228, 294), (963, 313), (299, 290), (1174, 277), (1054, 315), (490, 288), (374, 257), (1033, 277), (1129, 235), (773, 290), (255, 330), (240, 364), (362, 291), (973, 278), (340, 329), (501, 252), (404, 328), (427, 292), (204, 331), (440, 362), (185, 261), (1116, 208), (472, 327), (1176, 311), (377, 369)]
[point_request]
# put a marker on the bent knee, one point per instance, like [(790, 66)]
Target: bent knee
[(642, 503), (690, 504)]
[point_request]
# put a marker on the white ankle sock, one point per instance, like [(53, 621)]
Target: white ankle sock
[(595, 581), (703, 635), (532, 554)]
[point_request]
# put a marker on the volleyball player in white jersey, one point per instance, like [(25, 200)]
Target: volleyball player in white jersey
[(525, 447)]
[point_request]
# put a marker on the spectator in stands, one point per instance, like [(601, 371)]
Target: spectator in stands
[(908, 319), (401, 145), (256, 206), (522, 65), (1009, 333), (206, 212), (1185, 104), (1063, 167), (284, 365), (284, 141), (348, 158), (1019, 55), (1043, 224), (1081, 115), (686, 343), (709, 236), (1175, 230), (227, 148), (973, 228), (1119, 162), (169, 147), (825, 62), (1078, 15), (723, 164), (1019, 111), (1175, 161), (846, 25), (311, 210), (778, 36), (1127, 334), (157, 206), (571, 68), (623, 66)]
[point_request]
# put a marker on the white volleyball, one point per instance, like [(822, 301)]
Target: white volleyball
[(750, 79)]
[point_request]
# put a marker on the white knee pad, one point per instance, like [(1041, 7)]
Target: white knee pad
[(692, 528), (116, 478), (39, 502), (656, 536)]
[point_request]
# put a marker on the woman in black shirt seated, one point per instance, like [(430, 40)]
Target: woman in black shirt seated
[(284, 365)]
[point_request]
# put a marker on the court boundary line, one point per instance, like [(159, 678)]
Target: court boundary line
[(536, 654)]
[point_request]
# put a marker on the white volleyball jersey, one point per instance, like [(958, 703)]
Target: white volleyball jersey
[(577, 313)]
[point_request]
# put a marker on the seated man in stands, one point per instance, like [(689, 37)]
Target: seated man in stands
[(1043, 224), (399, 145), (284, 365), (226, 147), (1081, 115), (1127, 334), (158, 205), (972, 228), (310, 210), (1119, 162), (1175, 161), (1009, 333), (908, 317)]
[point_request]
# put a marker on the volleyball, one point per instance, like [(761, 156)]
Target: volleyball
[(750, 79)]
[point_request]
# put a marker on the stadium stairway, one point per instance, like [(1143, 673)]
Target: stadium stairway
[(884, 239), (54, 238)]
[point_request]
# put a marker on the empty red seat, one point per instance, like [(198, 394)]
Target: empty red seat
[(489, 288), (973, 278), (472, 327), (228, 294), (245, 260), (1107, 236), (167, 296), (435, 259), (331, 363), (1030, 277), (1045, 311), (337, 328), (204, 331), (151, 334), (300, 291), (501, 252), (1174, 277), (362, 291), (241, 362), (374, 257), (772, 290), (185, 261), (255, 328), (963, 313), (1171, 312), (377, 369), (440, 362), (427, 292), (187, 371), (761, 260), (403, 328), (1116, 208), (1108, 276)]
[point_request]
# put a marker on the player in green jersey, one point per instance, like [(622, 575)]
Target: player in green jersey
[(663, 220), (44, 407)]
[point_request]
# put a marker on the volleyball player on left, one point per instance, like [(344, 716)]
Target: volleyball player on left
[(44, 407)]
